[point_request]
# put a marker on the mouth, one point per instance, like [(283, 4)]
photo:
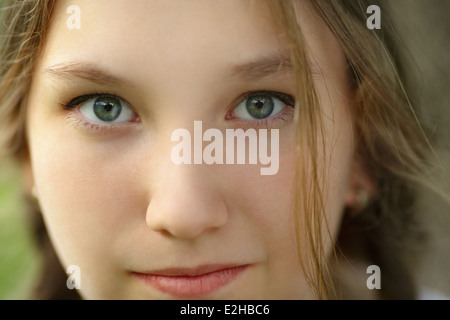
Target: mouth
[(191, 282)]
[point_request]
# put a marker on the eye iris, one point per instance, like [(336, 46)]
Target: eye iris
[(260, 107), (107, 108)]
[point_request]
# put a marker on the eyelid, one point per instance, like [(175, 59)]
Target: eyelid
[(80, 120), (288, 99), (75, 102), (286, 115)]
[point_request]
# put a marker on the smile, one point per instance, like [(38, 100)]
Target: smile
[(190, 283)]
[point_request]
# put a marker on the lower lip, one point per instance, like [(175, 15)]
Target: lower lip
[(191, 286)]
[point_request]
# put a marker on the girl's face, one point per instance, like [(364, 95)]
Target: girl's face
[(104, 102)]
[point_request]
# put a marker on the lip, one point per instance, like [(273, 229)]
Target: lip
[(191, 282)]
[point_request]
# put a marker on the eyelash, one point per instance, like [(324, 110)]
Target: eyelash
[(72, 104), (283, 116)]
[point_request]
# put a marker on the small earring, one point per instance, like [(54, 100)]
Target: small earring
[(362, 199)]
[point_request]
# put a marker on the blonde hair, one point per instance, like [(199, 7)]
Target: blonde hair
[(390, 139), (21, 40)]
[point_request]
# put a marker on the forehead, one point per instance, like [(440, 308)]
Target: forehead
[(176, 30), (152, 39)]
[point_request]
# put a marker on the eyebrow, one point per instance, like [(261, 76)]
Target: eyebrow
[(269, 66), (83, 71), (263, 67)]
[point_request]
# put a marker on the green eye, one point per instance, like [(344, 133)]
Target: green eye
[(106, 109), (262, 105)]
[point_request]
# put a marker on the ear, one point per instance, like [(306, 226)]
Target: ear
[(361, 188)]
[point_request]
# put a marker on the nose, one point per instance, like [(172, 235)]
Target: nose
[(186, 204)]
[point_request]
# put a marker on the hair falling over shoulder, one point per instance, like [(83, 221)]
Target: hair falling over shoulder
[(391, 142)]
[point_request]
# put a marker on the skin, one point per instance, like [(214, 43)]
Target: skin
[(112, 199)]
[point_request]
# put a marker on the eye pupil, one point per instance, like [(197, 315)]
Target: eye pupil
[(260, 107), (259, 104), (107, 108)]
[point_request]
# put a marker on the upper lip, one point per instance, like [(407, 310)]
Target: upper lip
[(191, 271)]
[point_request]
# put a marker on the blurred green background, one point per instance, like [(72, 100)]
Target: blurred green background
[(19, 260), (424, 26)]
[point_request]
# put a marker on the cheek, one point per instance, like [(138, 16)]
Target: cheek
[(267, 199), (84, 192), (89, 201), (265, 206), (338, 159)]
